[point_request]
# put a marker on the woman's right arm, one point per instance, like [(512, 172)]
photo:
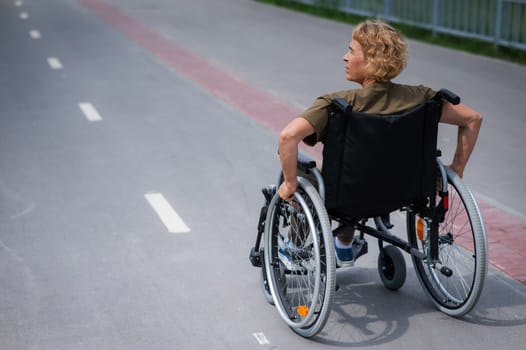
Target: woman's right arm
[(289, 139)]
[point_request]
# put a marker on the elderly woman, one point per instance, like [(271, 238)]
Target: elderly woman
[(377, 53)]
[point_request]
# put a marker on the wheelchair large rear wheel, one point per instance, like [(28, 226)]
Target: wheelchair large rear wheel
[(263, 281), (299, 259), (462, 248)]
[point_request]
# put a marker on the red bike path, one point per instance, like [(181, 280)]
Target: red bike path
[(505, 231)]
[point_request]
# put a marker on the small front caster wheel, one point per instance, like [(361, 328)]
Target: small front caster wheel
[(391, 267)]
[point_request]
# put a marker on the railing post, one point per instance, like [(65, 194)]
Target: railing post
[(498, 23), (387, 9), (434, 24), (348, 6)]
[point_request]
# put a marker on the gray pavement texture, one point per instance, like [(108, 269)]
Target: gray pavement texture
[(85, 263)]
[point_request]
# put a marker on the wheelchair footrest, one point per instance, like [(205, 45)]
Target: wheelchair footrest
[(359, 247), (255, 258)]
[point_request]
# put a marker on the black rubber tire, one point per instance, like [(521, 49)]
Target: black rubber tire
[(265, 288), (391, 268)]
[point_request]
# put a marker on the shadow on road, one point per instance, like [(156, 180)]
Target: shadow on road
[(364, 313)]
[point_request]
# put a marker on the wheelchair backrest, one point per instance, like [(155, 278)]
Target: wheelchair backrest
[(375, 164)]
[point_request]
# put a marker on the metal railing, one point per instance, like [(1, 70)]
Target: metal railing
[(502, 22)]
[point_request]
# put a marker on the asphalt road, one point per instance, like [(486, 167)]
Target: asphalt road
[(86, 262)]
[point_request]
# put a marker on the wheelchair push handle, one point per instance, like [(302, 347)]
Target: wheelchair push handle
[(448, 96)]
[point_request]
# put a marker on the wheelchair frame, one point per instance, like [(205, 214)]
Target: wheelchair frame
[(433, 250)]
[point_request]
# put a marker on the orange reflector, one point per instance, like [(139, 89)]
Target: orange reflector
[(420, 229), (302, 310)]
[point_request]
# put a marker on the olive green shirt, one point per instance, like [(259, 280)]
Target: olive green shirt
[(381, 98)]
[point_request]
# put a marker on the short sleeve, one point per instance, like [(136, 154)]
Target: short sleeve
[(316, 114)]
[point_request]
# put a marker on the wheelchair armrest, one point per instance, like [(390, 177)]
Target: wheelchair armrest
[(448, 96), (305, 162)]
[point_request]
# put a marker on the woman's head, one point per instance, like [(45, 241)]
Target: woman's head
[(384, 50)]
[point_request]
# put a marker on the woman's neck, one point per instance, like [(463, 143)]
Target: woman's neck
[(367, 82)]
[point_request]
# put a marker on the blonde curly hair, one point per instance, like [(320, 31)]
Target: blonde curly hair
[(384, 49)]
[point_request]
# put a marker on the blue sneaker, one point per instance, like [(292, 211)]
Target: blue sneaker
[(344, 256)]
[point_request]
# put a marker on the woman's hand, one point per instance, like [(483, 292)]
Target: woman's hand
[(287, 189)]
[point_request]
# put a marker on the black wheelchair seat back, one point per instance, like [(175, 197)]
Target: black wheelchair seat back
[(374, 164)]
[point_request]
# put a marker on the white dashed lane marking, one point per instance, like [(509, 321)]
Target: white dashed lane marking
[(260, 337), (166, 213), (54, 63), (35, 34), (24, 15), (90, 112)]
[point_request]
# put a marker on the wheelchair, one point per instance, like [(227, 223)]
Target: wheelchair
[(372, 166)]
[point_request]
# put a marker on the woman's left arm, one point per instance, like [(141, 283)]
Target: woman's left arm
[(468, 121)]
